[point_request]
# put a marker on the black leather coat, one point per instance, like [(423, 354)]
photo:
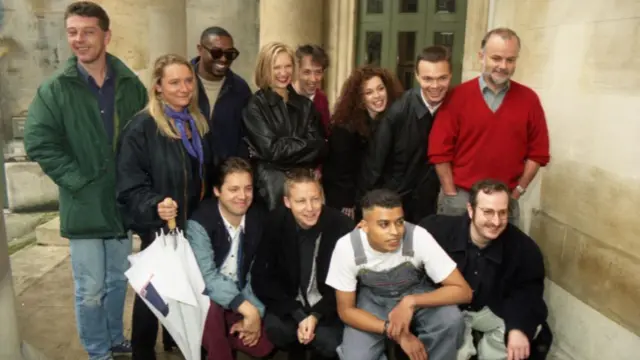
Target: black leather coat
[(281, 136)]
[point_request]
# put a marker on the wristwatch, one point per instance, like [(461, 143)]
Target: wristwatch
[(386, 327), (521, 190)]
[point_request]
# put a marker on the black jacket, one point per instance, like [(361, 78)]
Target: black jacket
[(226, 121), (281, 136), (518, 284), (397, 158), (151, 167), (209, 217), (276, 272), (340, 171)]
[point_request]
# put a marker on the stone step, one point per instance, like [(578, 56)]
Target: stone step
[(20, 224), (49, 234), (28, 188)]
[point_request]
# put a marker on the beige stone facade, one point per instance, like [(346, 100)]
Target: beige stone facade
[(581, 57)]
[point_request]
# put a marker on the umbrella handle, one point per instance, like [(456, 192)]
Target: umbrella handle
[(171, 224)]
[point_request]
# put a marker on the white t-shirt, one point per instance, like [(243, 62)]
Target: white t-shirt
[(432, 109), (343, 270)]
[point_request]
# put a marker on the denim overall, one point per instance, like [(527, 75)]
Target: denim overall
[(439, 328)]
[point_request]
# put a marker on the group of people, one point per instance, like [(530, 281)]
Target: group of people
[(390, 221)]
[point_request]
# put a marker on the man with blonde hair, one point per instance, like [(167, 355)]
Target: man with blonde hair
[(291, 267)]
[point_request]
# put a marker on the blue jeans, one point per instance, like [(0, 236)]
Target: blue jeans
[(100, 289)]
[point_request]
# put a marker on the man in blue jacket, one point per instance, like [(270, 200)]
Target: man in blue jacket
[(224, 234), (222, 94)]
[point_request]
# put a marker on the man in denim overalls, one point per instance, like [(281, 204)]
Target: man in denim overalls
[(395, 265)]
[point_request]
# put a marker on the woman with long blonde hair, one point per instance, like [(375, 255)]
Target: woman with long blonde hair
[(163, 170), (283, 129)]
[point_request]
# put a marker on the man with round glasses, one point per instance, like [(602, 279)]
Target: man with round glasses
[(505, 270), (222, 94)]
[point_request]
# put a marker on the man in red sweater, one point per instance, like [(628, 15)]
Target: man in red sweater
[(312, 62), (492, 127)]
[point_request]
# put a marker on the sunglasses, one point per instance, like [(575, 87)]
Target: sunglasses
[(216, 53)]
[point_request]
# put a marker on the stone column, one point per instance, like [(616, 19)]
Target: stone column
[(165, 33), (129, 30), (12, 346), (167, 28), (475, 28), (340, 34), (293, 22)]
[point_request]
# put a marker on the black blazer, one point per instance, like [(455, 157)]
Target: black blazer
[(518, 283), (209, 217), (340, 171), (276, 272)]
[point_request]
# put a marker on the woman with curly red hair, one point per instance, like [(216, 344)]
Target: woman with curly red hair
[(365, 96)]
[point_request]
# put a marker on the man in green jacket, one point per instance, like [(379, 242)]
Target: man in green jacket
[(72, 128)]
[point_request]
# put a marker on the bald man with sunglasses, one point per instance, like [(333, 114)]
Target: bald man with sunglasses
[(222, 94)]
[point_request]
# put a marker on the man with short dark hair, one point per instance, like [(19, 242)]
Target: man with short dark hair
[(72, 127), (222, 94), (397, 158), (291, 267), (505, 269), (491, 127), (312, 63), (225, 234), (384, 273)]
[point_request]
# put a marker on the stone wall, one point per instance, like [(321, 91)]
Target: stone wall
[(32, 35), (583, 60)]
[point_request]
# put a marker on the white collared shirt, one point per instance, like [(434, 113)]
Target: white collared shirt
[(432, 109), (230, 265)]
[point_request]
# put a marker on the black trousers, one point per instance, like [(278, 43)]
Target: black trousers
[(423, 200), (283, 333)]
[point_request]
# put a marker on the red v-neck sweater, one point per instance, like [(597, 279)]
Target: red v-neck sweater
[(481, 144)]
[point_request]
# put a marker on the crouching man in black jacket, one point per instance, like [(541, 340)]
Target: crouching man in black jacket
[(291, 267), (504, 267)]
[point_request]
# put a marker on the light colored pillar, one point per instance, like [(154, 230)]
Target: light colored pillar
[(130, 37), (340, 35), (165, 33), (11, 345), (167, 28), (476, 26), (293, 22)]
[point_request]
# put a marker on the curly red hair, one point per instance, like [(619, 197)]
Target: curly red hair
[(350, 110)]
